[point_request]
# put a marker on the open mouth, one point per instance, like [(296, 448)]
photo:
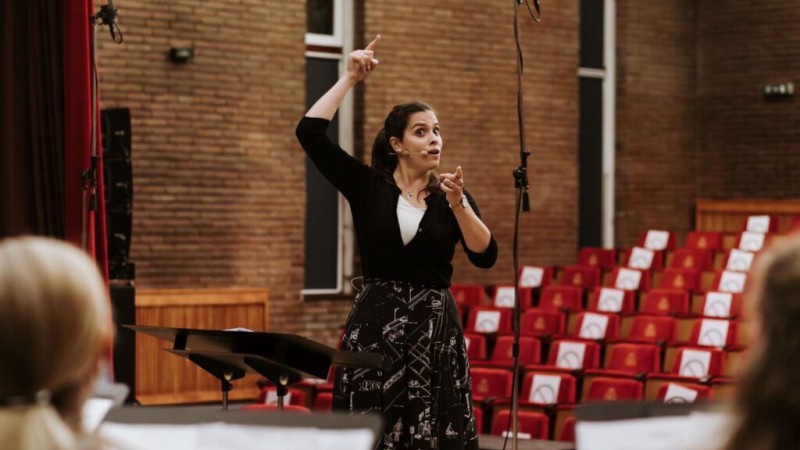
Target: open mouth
[(435, 151)]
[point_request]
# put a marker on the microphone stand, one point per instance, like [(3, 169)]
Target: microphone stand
[(522, 204), (106, 16)]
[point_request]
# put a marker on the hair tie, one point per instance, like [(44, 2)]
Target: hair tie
[(40, 398)]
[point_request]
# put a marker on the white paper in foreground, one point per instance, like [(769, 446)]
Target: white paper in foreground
[(696, 431), (218, 436)]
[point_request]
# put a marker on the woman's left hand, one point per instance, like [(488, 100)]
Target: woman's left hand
[(453, 185)]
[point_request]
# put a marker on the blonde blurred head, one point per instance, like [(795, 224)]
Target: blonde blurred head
[(768, 397), (55, 330)]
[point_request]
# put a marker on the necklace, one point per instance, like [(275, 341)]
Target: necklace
[(410, 193)]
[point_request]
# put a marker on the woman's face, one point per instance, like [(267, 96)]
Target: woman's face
[(422, 141)]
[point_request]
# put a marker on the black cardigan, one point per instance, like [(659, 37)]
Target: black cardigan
[(427, 259)]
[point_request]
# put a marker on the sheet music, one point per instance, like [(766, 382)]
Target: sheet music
[(218, 436), (696, 431), (531, 276)]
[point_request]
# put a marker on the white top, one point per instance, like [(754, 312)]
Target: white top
[(409, 218)]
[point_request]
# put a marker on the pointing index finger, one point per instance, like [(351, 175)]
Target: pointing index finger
[(374, 41)]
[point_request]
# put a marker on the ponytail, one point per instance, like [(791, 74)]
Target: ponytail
[(35, 426)]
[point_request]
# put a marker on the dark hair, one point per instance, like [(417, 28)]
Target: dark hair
[(384, 158), (768, 396)]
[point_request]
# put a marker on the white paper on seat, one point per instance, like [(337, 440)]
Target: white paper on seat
[(740, 260), (718, 304), (610, 300), (272, 397), (544, 389), (466, 341), (731, 281), (628, 279), (593, 326), (520, 434), (641, 258), (696, 431), (487, 321), (531, 277), (217, 436), (713, 332), (751, 241), (570, 355), (694, 363), (656, 240), (504, 297), (759, 224), (679, 394)]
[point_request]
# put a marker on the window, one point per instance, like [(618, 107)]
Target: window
[(328, 234)]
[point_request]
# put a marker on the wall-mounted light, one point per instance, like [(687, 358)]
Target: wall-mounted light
[(778, 90), (181, 54)]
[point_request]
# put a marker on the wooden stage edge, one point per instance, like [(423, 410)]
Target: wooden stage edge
[(489, 442)]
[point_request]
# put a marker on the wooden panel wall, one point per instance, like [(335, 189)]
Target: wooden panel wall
[(730, 215), (163, 378)]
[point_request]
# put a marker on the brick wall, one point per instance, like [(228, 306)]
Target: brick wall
[(219, 179), (749, 147), (656, 117)]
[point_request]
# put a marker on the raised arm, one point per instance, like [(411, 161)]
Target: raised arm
[(360, 64)]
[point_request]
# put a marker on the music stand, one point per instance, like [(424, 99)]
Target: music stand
[(282, 358)]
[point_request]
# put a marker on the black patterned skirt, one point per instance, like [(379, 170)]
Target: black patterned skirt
[(425, 398)]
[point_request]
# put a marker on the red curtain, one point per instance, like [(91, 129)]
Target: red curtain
[(80, 223)]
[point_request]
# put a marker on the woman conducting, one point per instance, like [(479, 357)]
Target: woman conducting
[(408, 221)]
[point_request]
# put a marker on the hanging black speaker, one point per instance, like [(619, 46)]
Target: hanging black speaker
[(118, 177)]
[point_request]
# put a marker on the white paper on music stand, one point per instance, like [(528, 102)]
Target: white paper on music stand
[(732, 281), (641, 258), (218, 436), (272, 397), (713, 332), (751, 241), (487, 321), (593, 326), (544, 389), (740, 260), (759, 224), (696, 431), (679, 394), (610, 300), (504, 297), (628, 279), (570, 355), (531, 277), (718, 304), (94, 411), (656, 240), (694, 363)]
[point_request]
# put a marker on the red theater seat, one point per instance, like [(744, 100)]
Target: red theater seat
[(665, 302), (546, 388), (541, 322), (686, 279), (706, 240), (490, 384), (602, 258), (489, 319), (721, 304), (692, 258), (643, 259), (535, 276), (630, 279), (652, 329), (582, 277), (504, 297), (683, 392), (609, 389), (627, 359), (597, 326), (467, 295), (561, 298), (714, 333), (530, 425), (323, 401), (476, 346), (502, 356)]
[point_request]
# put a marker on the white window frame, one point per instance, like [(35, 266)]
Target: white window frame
[(340, 31), (342, 42)]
